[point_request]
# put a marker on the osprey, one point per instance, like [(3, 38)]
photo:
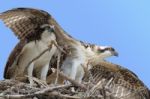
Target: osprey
[(117, 82), (29, 25), (94, 54), (36, 29), (80, 53)]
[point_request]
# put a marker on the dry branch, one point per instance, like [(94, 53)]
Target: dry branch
[(64, 96)]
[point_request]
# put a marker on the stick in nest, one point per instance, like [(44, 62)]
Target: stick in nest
[(38, 93), (59, 48), (38, 81), (57, 72), (99, 85), (63, 96)]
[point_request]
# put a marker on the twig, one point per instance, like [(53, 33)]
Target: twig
[(99, 85), (63, 96), (59, 48), (44, 91), (58, 61), (38, 81), (12, 96)]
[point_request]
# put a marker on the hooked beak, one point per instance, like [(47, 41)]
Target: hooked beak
[(115, 54)]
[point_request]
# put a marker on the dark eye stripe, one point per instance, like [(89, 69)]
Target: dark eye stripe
[(101, 50), (110, 48), (106, 49)]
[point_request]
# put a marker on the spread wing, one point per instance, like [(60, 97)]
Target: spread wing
[(119, 82), (25, 22), (8, 71)]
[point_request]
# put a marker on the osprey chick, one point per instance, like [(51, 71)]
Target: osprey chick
[(35, 36)]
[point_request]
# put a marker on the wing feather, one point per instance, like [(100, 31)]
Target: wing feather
[(8, 71), (120, 82), (25, 22)]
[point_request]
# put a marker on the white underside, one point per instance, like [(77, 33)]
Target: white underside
[(31, 51), (72, 66)]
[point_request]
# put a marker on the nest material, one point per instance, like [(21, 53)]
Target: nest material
[(101, 83), (89, 89), (13, 89)]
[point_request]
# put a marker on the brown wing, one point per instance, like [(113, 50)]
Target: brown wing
[(25, 22), (8, 71), (119, 82)]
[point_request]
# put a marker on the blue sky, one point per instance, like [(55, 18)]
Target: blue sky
[(123, 24)]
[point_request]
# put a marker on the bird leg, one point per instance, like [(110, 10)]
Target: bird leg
[(45, 68), (44, 72), (30, 71)]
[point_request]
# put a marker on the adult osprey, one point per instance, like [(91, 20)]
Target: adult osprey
[(97, 54), (33, 27), (117, 82), (80, 53)]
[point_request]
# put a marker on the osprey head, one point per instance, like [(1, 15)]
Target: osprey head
[(105, 51), (96, 54), (48, 33), (99, 51)]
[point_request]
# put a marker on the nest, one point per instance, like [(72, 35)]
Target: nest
[(13, 89)]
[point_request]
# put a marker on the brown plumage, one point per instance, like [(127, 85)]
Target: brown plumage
[(28, 25), (24, 22), (119, 82), (9, 69)]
